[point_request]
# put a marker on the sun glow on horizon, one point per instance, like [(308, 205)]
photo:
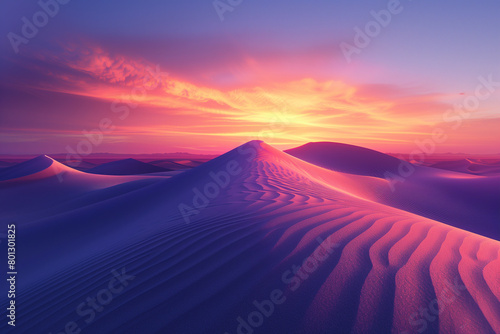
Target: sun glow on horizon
[(161, 112)]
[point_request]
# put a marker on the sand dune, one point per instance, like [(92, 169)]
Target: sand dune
[(470, 166), (458, 199), (254, 241), (36, 165), (42, 186), (126, 167), (176, 164), (347, 158)]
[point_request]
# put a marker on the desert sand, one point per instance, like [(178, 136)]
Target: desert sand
[(258, 241)]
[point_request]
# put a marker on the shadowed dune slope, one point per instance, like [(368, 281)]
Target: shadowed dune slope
[(41, 186), (470, 166), (463, 200), (126, 167), (29, 167)]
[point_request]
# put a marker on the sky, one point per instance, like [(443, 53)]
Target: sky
[(205, 76)]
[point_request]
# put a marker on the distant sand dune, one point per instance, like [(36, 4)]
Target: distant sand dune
[(470, 166), (126, 167)]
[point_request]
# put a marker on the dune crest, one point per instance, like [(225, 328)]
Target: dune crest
[(39, 167), (126, 167)]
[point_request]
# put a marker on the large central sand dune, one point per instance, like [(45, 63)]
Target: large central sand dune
[(470, 202), (255, 241)]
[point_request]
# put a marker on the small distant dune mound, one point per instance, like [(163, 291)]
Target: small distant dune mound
[(258, 241), (346, 158), (170, 164), (126, 167), (26, 168), (470, 166)]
